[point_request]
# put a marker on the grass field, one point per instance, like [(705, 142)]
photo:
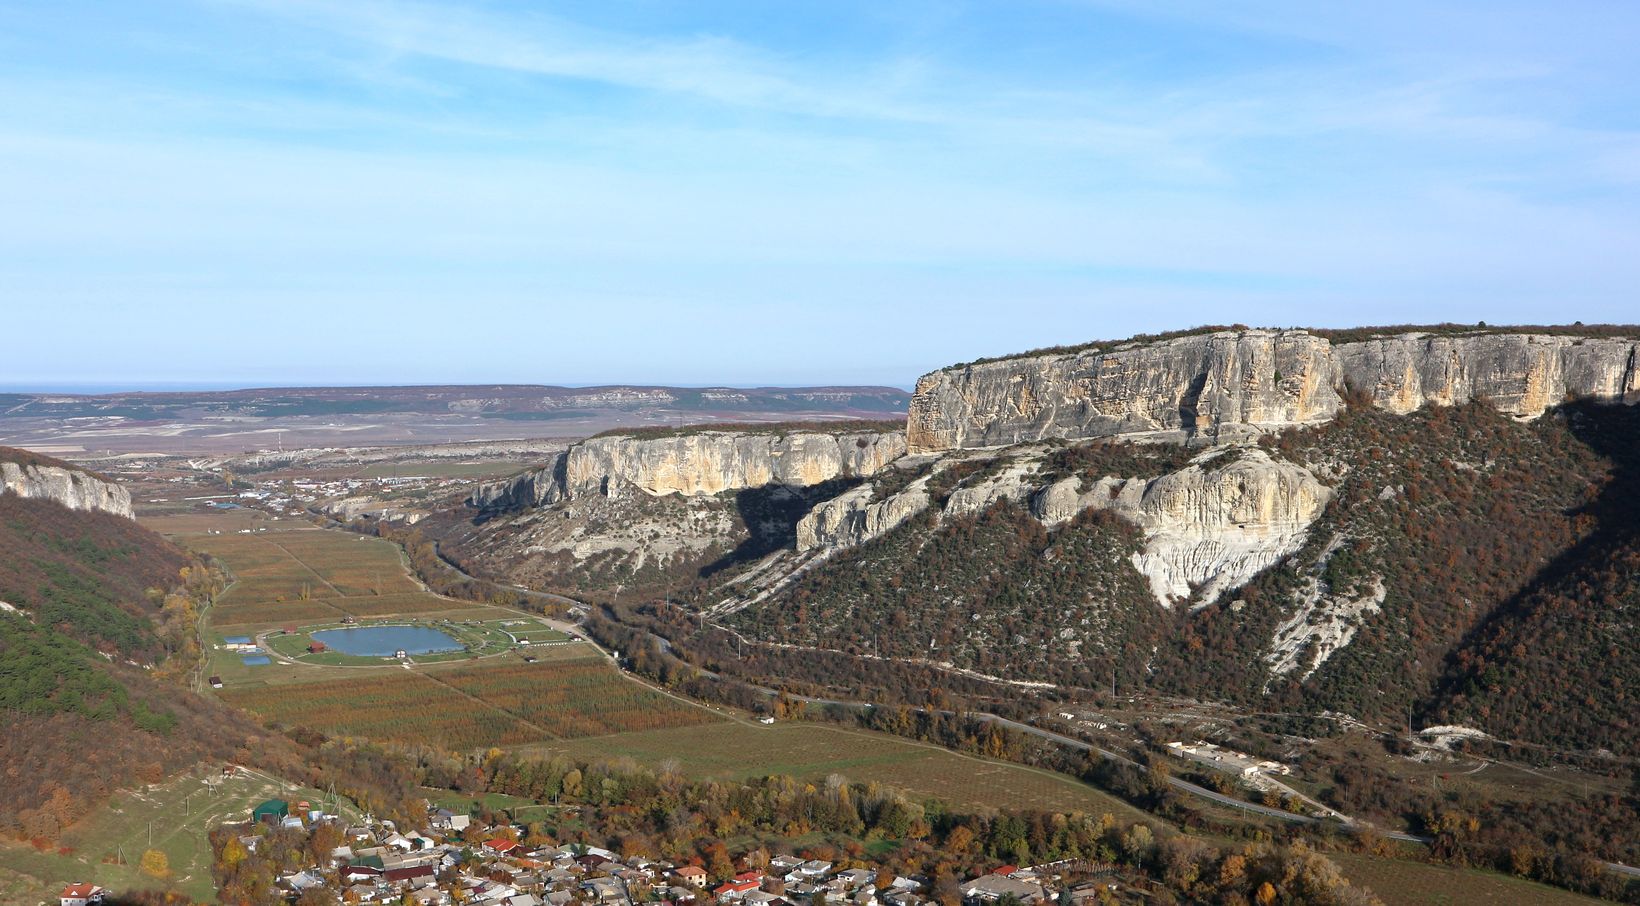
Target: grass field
[(1402, 883), (181, 810), (812, 751)]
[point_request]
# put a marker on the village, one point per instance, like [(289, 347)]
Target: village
[(457, 859)]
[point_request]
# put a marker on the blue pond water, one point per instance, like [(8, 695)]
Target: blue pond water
[(383, 641), (255, 660)]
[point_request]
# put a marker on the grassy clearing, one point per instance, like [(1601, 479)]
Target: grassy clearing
[(181, 810), (812, 751), (1404, 883)]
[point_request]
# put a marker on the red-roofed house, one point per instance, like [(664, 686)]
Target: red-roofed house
[(81, 894), (500, 846), (742, 884), (693, 875), (1005, 869)]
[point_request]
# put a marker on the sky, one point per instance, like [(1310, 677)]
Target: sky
[(775, 192)]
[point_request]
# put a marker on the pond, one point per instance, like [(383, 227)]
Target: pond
[(256, 660), (385, 641)]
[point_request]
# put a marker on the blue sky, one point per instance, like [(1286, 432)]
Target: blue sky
[(779, 192)]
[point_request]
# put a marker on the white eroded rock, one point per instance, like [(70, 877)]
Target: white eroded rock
[(72, 488)]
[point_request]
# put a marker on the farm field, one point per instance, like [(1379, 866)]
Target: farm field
[(737, 750), (305, 564), (569, 693), (585, 697), (1406, 883), (392, 705), (182, 810)]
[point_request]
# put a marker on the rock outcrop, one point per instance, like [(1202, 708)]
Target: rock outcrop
[(1232, 384), (1520, 374), (72, 488), (711, 462), (705, 462), (1208, 527), (537, 487), (853, 517)]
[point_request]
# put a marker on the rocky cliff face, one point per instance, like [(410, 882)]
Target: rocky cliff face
[(854, 517), (702, 463), (1520, 374), (1232, 384), (1208, 527), (711, 462), (70, 487)]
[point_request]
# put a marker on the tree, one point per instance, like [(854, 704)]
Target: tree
[(155, 864)]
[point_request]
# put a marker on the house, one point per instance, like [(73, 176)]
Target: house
[(412, 875), (501, 846), (995, 886), (692, 875), (271, 811), (364, 868), (81, 894), (316, 647), (734, 890), (216, 682), (742, 884)]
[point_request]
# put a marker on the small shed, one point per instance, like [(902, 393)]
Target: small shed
[(273, 810)]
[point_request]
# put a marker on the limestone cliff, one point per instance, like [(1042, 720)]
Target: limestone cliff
[(854, 517), (1234, 383), (1208, 527), (70, 487), (1520, 374), (704, 462)]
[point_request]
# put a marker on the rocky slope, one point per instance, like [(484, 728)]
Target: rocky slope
[(1234, 383), (34, 477)]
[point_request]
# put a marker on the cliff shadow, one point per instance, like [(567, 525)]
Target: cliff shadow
[(770, 515)]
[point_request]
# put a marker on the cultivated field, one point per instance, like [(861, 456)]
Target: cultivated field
[(1405, 883), (392, 704), (293, 565), (574, 698), (567, 694), (812, 751)]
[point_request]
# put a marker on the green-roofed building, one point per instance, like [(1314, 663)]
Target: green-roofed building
[(272, 810)]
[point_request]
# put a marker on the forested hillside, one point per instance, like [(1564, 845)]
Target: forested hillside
[(86, 573), (99, 624), (1468, 566)]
